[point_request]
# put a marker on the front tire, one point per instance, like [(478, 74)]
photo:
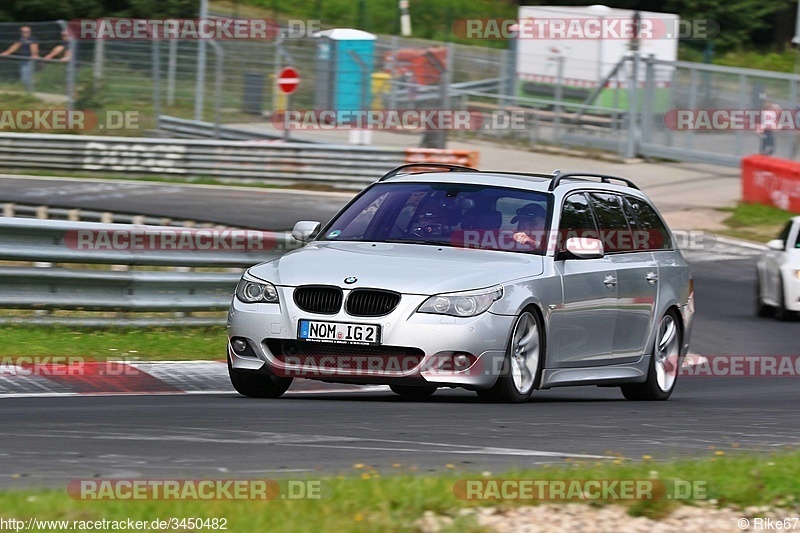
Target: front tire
[(522, 366), (256, 385), (664, 363), (413, 393)]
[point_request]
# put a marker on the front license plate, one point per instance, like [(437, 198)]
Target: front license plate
[(314, 330)]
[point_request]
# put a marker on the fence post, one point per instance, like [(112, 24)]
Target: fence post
[(218, 87), (99, 57), (633, 108), (156, 58), (742, 105), (73, 51), (201, 67), (559, 94), (648, 99), (172, 63), (393, 73), (692, 105)]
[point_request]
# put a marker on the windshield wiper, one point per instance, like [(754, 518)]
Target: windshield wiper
[(418, 241)]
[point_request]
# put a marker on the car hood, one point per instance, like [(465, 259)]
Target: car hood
[(405, 268)]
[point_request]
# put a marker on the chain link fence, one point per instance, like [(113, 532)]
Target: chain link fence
[(630, 112)]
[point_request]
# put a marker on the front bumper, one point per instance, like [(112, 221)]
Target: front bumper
[(436, 338)]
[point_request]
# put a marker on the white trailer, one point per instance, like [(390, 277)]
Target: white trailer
[(586, 43)]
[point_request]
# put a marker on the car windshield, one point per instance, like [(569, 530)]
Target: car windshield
[(445, 214)]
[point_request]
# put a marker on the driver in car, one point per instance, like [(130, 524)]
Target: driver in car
[(530, 220)]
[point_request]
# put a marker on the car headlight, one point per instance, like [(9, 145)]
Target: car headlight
[(463, 304), (797, 273), (252, 290)]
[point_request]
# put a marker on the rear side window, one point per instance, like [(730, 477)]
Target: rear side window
[(650, 231), (614, 230), (576, 219)]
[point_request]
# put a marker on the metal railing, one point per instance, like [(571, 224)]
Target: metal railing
[(337, 165), (102, 278), (341, 166)]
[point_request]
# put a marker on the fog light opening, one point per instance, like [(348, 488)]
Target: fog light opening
[(241, 347), (461, 361)]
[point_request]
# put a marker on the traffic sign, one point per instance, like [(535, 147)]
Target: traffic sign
[(288, 80)]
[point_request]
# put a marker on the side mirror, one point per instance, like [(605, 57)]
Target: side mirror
[(305, 230), (776, 244), (582, 248)]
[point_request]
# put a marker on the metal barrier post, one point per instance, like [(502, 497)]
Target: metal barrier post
[(633, 107)]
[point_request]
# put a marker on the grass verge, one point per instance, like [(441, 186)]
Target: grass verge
[(755, 222), (372, 501), (152, 344)]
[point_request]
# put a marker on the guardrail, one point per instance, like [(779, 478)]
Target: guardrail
[(45, 212), (264, 161), (197, 129), (107, 283)]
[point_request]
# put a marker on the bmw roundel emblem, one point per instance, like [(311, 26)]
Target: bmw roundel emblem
[(350, 279)]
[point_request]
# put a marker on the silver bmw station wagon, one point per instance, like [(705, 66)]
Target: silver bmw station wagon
[(497, 282)]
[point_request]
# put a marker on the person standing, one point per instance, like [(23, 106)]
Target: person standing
[(62, 48), (26, 47)]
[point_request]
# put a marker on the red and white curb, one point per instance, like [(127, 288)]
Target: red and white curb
[(135, 378), (163, 377)]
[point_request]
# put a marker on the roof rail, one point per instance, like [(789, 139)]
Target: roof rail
[(525, 174), (604, 178), (448, 166)]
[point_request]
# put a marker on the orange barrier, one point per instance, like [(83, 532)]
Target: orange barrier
[(416, 64), (771, 181), (438, 155)]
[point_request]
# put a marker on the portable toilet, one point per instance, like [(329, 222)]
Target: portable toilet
[(345, 63)]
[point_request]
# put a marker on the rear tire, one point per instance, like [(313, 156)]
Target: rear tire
[(522, 366), (413, 393), (664, 365), (762, 310), (257, 385)]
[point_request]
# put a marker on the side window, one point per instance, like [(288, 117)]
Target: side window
[(797, 241), (784, 236), (651, 233), (614, 230), (576, 219)]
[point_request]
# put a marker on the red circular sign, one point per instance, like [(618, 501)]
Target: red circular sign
[(288, 80)]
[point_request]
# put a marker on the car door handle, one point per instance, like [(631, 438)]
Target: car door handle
[(651, 277), (610, 281)]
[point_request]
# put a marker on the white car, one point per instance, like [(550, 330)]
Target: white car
[(778, 275)]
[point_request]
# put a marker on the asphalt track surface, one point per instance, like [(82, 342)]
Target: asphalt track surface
[(46, 441), (246, 207)]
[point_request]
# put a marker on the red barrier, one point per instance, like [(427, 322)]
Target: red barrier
[(771, 181)]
